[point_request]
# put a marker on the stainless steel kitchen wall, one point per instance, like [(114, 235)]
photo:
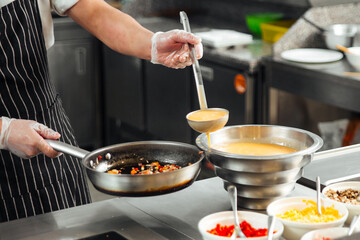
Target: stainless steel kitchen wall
[(74, 67)]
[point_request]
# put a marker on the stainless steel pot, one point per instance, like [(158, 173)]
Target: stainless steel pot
[(305, 142), (255, 203), (127, 154), (342, 34), (337, 34), (262, 192), (259, 179)]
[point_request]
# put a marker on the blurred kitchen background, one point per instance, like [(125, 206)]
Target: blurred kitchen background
[(112, 98)]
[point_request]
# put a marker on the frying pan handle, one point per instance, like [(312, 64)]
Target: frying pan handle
[(67, 148)]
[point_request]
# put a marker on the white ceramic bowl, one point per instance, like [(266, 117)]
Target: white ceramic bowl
[(352, 208), (295, 230), (257, 220), (354, 57), (336, 232)]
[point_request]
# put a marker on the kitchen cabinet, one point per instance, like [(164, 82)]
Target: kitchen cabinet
[(124, 102), (73, 66), (168, 101), (307, 95)]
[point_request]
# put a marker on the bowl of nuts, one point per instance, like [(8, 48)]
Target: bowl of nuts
[(347, 193)]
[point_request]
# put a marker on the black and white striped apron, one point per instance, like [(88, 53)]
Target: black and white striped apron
[(38, 185)]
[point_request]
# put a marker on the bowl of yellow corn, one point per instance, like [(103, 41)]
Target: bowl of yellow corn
[(299, 215)]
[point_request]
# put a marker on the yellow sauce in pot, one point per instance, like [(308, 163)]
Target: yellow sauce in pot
[(262, 149)]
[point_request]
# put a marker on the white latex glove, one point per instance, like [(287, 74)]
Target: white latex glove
[(171, 49), (25, 138)]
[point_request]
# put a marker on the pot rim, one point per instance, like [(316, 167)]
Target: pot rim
[(318, 142)]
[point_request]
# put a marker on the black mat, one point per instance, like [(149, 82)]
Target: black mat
[(105, 236)]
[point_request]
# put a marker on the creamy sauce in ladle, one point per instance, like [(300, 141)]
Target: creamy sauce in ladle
[(207, 115)]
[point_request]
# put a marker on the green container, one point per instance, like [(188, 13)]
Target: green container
[(254, 20)]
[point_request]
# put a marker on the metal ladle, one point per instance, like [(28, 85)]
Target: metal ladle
[(210, 125), (343, 49), (203, 126), (232, 191), (318, 195), (353, 224), (271, 225)]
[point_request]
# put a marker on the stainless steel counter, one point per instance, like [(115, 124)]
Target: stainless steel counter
[(324, 82), (335, 165), (171, 216)]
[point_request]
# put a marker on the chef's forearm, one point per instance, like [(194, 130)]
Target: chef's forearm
[(114, 28)]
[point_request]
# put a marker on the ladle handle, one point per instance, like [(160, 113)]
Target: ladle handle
[(67, 148), (271, 225), (318, 195), (352, 73), (232, 191), (353, 224), (196, 66), (342, 48)]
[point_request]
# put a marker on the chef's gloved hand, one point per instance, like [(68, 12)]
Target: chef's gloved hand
[(171, 49), (25, 138)]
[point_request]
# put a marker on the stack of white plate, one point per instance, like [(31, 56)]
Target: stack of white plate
[(217, 38)]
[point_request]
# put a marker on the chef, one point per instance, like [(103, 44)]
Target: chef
[(34, 178)]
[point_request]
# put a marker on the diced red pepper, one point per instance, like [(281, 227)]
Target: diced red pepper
[(134, 171), (246, 228)]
